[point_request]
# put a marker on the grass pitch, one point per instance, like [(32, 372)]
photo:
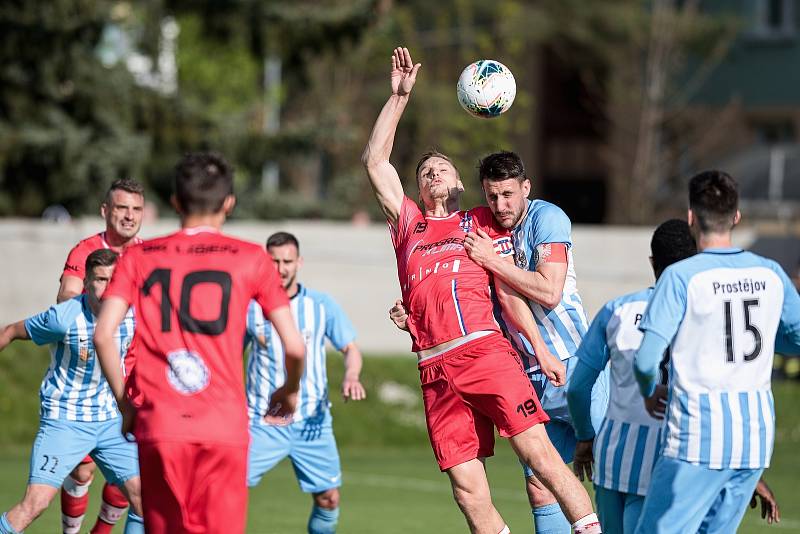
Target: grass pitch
[(391, 482)]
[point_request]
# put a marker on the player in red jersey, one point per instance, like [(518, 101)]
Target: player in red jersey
[(191, 290), (122, 210), (468, 384)]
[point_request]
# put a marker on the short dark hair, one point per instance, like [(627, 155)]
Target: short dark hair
[(102, 257), (714, 199), (278, 239), (672, 242), (202, 182), (501, 166), (433, 153), (124, 184)]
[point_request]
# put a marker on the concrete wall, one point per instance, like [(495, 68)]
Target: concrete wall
[(355, 264)]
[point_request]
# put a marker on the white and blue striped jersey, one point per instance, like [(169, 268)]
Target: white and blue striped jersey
[(721, 311), (317, 317), (562, 327), (74, 388), (626, 445)]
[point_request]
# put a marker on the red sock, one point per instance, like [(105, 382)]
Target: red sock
[(74, 501), (111, 510)]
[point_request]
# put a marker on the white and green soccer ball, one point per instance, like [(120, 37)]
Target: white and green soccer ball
[(486, 88)]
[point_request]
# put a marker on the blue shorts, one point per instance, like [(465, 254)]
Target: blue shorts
[(617, 511), (61, 445), (684, 497), (310, 446), (554, 402)]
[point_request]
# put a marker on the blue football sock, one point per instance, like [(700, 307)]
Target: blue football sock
[(5, 526), (134, 524), (549, 519), (322, 520)]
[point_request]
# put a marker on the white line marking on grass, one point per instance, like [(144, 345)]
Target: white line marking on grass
[(426, 485)]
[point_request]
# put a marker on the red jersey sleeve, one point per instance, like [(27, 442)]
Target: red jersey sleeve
[(408, 221), (123, 282), (76, 262), (501, 237), (269, 293)]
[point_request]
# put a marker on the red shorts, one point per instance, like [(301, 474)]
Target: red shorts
[(468, 391), (193, 488)]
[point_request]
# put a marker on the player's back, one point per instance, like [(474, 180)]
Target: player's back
[(721, 411), (191, 290), (628, 439)]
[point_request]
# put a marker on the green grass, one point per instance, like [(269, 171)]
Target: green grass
[(391, 482)]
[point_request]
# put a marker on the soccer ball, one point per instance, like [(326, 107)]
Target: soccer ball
[(486, 88)]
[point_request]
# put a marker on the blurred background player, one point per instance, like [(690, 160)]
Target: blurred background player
[(191, 291), (626, 445), (78, 415), (308, 439), (545, 275), (470, 382), (122, 209), (718, 312)]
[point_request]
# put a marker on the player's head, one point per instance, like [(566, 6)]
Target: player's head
[(285, 251), (505, 185), (99, 268), (713, 203), (203, 185), (437, 178), (672, 242), (123, 208)]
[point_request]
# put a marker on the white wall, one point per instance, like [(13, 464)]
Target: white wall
[(355, 264)]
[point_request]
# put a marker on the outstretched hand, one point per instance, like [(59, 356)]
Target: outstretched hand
[(404, 72)]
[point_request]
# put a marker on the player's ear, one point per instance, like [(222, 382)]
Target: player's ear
[(459, 186), (690, 217), (737, 217), (173, 200), (228, 204), (526, 187), (103, 209)]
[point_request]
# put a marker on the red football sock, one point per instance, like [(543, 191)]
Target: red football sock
[(111, 510), (74, 501)]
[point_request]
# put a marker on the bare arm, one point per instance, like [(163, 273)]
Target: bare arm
[(283, 401), (517, 311), (71, 286), (12, 332), (351, 384), (382, 175), (112, 312), (545, 285)]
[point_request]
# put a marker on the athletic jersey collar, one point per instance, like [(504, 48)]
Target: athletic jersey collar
[(301, 291), (432, 218), (722, 250), (194, 230)]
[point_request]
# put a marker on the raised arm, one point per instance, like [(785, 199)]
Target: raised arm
[(382, 175)]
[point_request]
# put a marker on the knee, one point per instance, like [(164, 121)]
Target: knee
[(538, 495), (83, 473), (328, 500), (471, 498)]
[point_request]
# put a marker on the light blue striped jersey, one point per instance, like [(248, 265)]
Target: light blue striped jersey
[(317, 317), (564, 326), (626, 445), (721, 310), (74, 388)]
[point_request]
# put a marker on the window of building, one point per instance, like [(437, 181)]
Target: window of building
[(774, 19)]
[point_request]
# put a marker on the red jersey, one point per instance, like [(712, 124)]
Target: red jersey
[(191, 290), (446, 294), (76, 261)]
